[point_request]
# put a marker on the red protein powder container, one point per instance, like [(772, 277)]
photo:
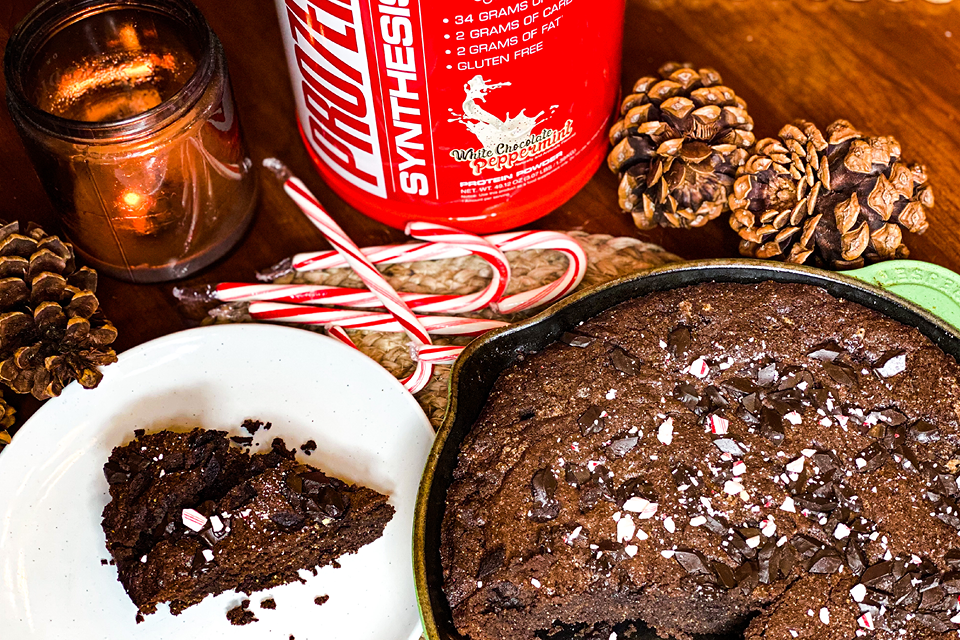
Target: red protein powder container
[(480, 114)]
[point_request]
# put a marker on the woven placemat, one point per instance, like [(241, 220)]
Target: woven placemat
[(608, 258)]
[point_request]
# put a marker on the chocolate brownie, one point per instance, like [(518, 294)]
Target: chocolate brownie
[(711, 458), (190, 516)]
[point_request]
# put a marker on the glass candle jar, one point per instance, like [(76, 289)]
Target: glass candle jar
[(126, 111)]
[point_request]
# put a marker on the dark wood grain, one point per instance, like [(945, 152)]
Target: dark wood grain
[(891, 68)]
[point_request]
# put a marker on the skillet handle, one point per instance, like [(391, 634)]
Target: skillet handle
[(933, 287)]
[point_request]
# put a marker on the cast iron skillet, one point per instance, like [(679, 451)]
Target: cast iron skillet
[(483, 360)]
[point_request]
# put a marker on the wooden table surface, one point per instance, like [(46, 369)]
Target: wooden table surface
[(891, 68)]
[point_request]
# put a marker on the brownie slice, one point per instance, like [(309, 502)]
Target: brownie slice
[(709, 458), (190, 516)]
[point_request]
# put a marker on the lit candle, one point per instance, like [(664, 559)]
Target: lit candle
[(123, 108)]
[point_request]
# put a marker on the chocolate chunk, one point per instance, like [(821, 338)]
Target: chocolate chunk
[(796, 378), (491, 561), (891, 363), (950, 582), (751, 403), (825, 398), (826, 351), (576, 475), (287, 520), (931, 599), (692, 561), (806, 546), (771, 425), (879, 576), (746, 575), (905, 594), (768, 376), (330, 503), (725, 575), (924, 432), (115, 474), (716, 398), (870, 459), (543, 486), (527, 414), (624, 362), (619, 448), (952, 558), (635, 488), (679, 342), (768, 568), (739, 386), (575, 340), (239, 496), (688, 396), (841, 374), (947, 512), (592, 420), (940, 624), (855, 558), (728, 445), (788, 559), (891, 417), (827, 560)]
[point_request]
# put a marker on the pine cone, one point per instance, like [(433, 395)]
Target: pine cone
[(677, 147), (842, 199), (51, 329), (6, 421)]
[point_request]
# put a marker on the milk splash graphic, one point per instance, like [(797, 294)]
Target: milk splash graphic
[(506, 142), (490, 130)]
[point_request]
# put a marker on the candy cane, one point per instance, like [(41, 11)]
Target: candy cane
[(312, 208), (437, 353), (316, 294), (513, 241), (369, 321)]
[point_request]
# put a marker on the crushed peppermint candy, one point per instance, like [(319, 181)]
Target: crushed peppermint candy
[(858, 592), (793, 418), (824, 615), (796, 466), (732, 487), (667, 553), (669, 525), (193, 519), (866, 621), (625, 528), (641, 506), (698, 521), (718, 425), (208, 555), (788, 505), (739, 468), (631, 550), (611, 394), (641, 534), (573, 535), (535, 583), (841, 532), (699, 368), (768, 527), (665, 432)]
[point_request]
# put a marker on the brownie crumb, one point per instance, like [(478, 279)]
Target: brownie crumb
[(104, 562), (266, 426), (319, 600), (113, 562), (138, 433), (335, 564), (308, 447), (268, 603), (241, 615), (242, 440), (139, 617), (252, 426)]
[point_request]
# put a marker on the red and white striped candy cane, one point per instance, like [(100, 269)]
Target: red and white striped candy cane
[(443, 235), (312, 208), (438, 353), (316, 294), (513, 241), (369, 321)]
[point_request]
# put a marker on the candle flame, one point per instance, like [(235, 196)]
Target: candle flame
[(132, 200)]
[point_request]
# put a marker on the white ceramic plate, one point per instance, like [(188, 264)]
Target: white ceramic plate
[(52, 489)]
